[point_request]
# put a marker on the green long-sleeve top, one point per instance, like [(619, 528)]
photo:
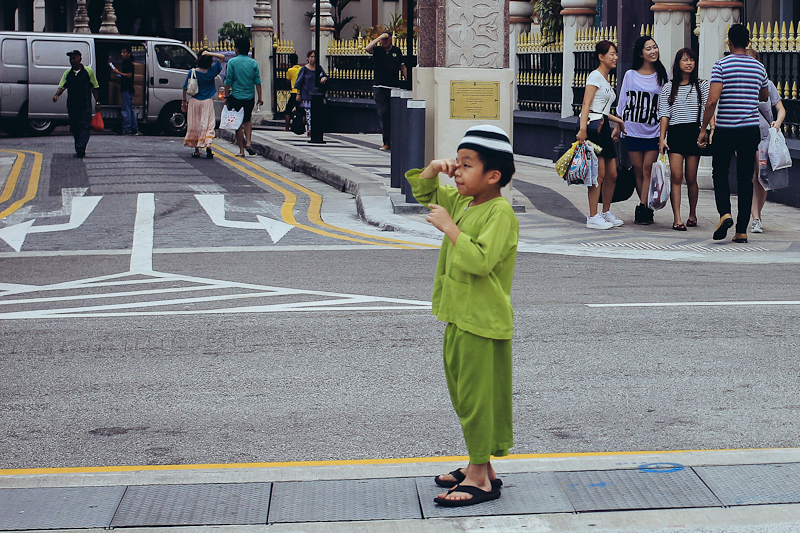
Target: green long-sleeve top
[(472, 288)]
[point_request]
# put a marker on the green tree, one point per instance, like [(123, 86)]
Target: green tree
[(549, 12), (230, 31)]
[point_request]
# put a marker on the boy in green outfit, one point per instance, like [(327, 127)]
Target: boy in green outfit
[(472, 293)]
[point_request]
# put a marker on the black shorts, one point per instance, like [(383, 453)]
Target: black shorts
[(601, 138), (682, 139), (291, 103), (234, 104)]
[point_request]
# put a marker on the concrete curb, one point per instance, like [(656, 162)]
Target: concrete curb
[(7, 161)]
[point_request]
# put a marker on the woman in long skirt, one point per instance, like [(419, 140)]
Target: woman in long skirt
[(200, 119)]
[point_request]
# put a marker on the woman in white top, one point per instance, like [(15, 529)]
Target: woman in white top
[(638, 107), (765, 122), (594, 126), (680, 108)]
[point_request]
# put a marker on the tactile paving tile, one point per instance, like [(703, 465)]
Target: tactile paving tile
[(753, 484), (611, 490), (344, 500), (530, 493), (58, 507), (187, 505)]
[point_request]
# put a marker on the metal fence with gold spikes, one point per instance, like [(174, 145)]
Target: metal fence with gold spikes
[(777, 48), (586, 60), (540, 59), (351, 68), (205, 44), (281, 50)]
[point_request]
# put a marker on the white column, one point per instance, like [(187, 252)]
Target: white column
[(577, 15), (672, 27), (716, 16), (519, 22), (262, 35), (325, 31)]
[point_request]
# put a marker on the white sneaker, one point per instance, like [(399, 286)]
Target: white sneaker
[(609, 217), (756, 227), (598, 222)]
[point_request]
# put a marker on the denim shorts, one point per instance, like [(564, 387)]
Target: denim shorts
[(638, 144)]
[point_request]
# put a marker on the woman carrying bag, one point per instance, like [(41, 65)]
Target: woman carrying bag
[(595, 126), (200, 118), (680, 109), (305, 84)]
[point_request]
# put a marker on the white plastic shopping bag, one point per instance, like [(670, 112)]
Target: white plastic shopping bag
[(779, 156), (659, 184), (762, 158), (231, 120)]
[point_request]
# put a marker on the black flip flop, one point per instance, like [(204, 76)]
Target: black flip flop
[(195, 155), (478, 496), (459, 475)]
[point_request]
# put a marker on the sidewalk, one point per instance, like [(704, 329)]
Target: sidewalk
[(554, 220), (709, 491)]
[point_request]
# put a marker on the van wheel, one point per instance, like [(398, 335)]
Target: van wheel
[(172, 120), (32, 126)]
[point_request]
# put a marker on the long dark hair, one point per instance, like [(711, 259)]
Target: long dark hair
[(677, 74), (638, 59)]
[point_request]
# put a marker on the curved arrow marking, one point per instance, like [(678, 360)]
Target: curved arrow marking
[(80, 209), (214, 206)]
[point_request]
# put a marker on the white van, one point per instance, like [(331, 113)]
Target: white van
[(32, 63)]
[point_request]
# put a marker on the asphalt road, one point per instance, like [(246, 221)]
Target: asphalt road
[(209, 359)]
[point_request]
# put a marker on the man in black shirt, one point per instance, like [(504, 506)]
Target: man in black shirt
[(130, 126), (81, 84), (388, 66)]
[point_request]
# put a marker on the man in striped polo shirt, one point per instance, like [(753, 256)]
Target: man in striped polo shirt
[(738, 82)]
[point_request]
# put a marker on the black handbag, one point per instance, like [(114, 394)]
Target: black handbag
[(626, 184), (298, 124)]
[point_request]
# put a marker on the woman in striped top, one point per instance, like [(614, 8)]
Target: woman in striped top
[(680, 109)]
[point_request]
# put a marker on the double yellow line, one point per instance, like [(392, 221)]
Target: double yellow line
[(13, 177), (314, 208)]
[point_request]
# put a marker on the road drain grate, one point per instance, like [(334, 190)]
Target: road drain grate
[(674, 247)]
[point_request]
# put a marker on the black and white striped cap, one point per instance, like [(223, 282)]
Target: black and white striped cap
[(488, 140)]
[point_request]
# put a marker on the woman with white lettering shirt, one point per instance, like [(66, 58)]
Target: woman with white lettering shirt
[(594, 126), (638, 106), (680, 108)]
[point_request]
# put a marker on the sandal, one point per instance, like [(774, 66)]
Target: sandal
[(196, 155), (209, 154), (680, 226), (691, 222), (478, 496), (250, 150), (460, 477)]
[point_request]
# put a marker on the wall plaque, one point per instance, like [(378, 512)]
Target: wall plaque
[(475, 100)]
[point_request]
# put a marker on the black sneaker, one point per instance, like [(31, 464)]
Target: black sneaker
[(643, 215), (650, 215)]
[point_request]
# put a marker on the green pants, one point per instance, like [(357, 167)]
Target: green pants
[(478, 372)]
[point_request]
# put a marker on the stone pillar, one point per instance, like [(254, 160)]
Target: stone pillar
[(577, 15), (716, 16), (672, 24), (463, 73), (109, 19), (262, 34), (325, 31), (519, 22), (81, 23)]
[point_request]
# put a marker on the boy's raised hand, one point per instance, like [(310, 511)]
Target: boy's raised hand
[(442, 221), (445, 166)]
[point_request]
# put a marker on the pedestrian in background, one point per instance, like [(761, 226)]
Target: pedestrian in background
[(680, 110), (638, 100), (130, 124), (291, 103), (305, 84), (765, 122), (738, 82), (389, 64), (595, 125), (472, 293), (200, 117), (81, 84), (241, 77)]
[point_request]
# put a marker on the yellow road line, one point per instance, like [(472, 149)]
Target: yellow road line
[(33, 185), (315, 207), (354, 462), (11, 184), (288, 208)]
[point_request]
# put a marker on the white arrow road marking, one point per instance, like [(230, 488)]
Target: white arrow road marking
[(143, 227), (214, 205), (82, 207)]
